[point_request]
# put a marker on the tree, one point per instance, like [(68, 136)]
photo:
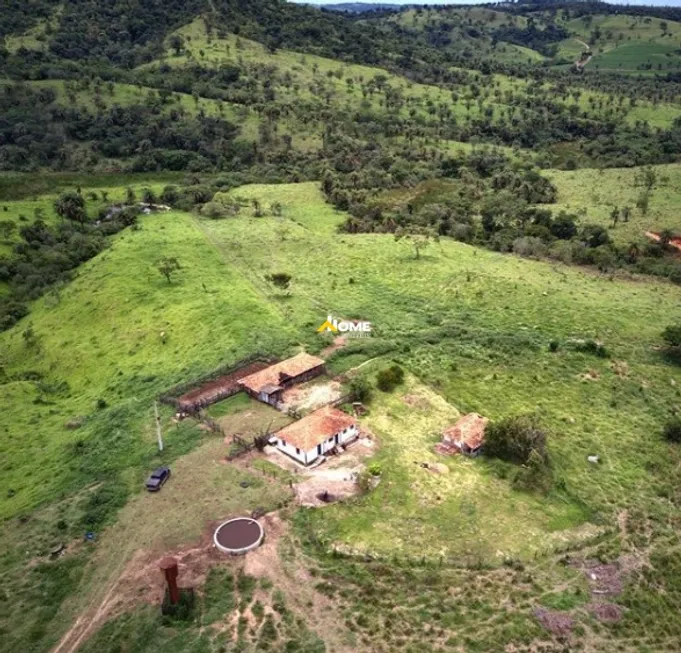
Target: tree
[(129, 196), (360, 389), (515, 438), (390, 378), (615, 216), (643, 202), (646, 177), (7, 229), (148, 196), (594, 235), (71, 206), (563, 227), (31, 338), (276, 209), (167, 266), (280, 280), (666, 236), (176, 42), (258, 211), (419, 237)]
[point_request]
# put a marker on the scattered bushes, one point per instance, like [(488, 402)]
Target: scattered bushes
[(102, 503), (388, 379)]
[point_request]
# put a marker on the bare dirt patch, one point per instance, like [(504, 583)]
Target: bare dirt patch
[(415, 401), (605, 612), (339, 483), (675, 242), (590, 375), (606, 579), (310, 396), (557, 622), (338, 343)]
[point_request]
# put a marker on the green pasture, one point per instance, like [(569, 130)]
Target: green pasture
[(593, 194), (632, 57), (471, 327)]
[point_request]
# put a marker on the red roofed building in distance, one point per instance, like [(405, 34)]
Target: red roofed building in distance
[(466, 436), (316, 434), (269, 384)]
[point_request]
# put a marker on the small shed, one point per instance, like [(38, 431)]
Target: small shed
[(467, 436)]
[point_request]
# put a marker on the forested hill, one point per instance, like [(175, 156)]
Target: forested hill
[(103, 85)]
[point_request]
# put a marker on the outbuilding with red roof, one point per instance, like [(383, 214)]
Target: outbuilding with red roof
[(269, 384)]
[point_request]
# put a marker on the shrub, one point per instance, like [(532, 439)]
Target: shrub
[(672, 430), (672, 335), (591, 347), (529, 247), (170, 195), (390, 378), (535, 474), (553, 346)]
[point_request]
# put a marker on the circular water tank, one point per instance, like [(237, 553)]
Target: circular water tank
[(238, 536)]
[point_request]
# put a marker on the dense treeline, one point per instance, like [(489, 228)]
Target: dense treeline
[(37, 132), (46, 255), (489, 201)]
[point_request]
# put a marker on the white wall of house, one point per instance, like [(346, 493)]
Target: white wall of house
[(307, 457), (290, 450)]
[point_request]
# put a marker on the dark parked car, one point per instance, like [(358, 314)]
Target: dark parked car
[(157, 479)]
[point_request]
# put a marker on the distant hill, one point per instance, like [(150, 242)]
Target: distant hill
[(360, 7)]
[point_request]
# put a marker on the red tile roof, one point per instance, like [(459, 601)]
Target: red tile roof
[(308, 432), (469, 430), (295, 366)]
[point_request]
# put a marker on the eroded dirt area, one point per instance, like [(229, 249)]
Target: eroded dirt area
[(311, 396)]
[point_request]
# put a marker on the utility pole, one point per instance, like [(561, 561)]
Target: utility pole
[(158, 427)]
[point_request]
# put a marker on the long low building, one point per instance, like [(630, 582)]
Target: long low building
[(268, 385), (316, 434)]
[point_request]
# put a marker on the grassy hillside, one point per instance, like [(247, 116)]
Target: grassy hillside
[(594, 195), (473, 326), (428, 170), (630, 44), (342, 84), (100, 357)]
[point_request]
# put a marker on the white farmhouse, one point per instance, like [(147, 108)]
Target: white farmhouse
[(316, 434)]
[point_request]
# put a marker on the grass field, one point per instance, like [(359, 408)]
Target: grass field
[(123, 362), (473, 328), (594, 194)]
